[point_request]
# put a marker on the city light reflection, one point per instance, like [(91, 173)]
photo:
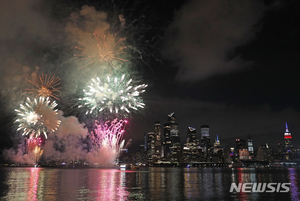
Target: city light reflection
[(294, 184), (145, 184)]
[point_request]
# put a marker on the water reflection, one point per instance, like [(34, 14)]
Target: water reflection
[(145, 184), (33, 188), (294, 184)]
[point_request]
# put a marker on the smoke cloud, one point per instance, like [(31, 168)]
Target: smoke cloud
[(69, 143), (18, 156), (202, 39)]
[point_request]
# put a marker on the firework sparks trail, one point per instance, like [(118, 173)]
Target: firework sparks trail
[(102, 49), (37, 117), (34, 148), (45, 86), (112, 94), (109, 136), (36, 154), (32, 142)]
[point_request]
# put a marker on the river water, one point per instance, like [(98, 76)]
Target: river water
[(144, 184)]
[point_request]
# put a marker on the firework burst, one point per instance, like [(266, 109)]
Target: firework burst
[(109, 136), (32, 142), (45, 85), (114, 95), (37, 117), (35, 154), (102, 50)]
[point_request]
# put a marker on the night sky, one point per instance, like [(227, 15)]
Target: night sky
[(231, 65)]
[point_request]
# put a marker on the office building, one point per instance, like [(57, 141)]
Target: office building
[(240, 144), (171, 139), (250, 146), (150, 146), (191, 149), (157, 138)]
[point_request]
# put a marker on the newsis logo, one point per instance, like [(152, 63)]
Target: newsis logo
[(260, 187)]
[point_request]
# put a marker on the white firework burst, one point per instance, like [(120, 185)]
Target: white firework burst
[(37, 117), (116, 95)]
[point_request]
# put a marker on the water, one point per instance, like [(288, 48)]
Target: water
[(143, 184)]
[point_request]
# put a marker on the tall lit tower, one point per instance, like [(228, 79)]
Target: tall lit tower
[(191, 135), (157, 137), (150, 146), (205, 142), (205, 132), (171, 138), (250, 145), (205, 137), (287, 139), (217, 144)]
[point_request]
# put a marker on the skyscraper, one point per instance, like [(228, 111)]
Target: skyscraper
[(191, 150), (150, 146), (171, 138), (205, 132), (166, 141), (287, 139), (191, 135), (205, 142), (205, 137), (240, 144), (157, 137), (171, 117), (250, 145), (174, 129), (218, 152), (217, 144)]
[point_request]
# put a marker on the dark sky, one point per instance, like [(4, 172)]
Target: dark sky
[(231, 65)]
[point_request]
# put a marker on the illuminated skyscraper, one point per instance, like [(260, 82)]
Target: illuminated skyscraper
[(205, 137), (171, 140), (150, 146), (264, 153), (174, 129), (171, 117), (218, 152), (166, 140), (205, 132), (287, 139), (205, 142), (191, 135), (157, 136), (250, 145), (191, 148), (217, 144)]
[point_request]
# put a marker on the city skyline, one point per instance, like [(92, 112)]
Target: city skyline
[(229, 142), (160, 149), (229, 66)]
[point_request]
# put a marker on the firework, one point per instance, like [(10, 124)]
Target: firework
[(32, 142), (45, 86), (102, 50), (37, 117), (109, 136), (114, 95), (36, 154)]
